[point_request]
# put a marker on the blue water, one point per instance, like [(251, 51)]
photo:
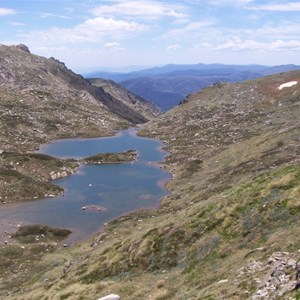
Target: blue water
[(125, 140), (115, 189)]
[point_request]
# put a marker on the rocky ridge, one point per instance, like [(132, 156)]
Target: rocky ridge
[(132, 100)]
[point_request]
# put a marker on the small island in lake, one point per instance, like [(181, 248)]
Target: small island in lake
[(112, 158)]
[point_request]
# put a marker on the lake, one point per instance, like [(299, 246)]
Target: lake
[(96, 194)]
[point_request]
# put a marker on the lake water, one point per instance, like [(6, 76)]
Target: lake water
[(106, 191)]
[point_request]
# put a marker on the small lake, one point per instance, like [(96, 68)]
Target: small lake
[(105, 191)]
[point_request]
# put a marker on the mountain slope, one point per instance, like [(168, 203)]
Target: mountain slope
[(229, 228), (41, 99), (118, 92)]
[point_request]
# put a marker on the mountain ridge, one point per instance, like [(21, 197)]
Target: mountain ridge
[(166, 86), (120, 93)]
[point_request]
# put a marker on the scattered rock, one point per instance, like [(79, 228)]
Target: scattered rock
[(297, 267), (223, 281), (278, 279), (110, 297), (160, 284)]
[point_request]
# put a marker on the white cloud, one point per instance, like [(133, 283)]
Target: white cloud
[(285, 31), (113, 46), (237, 44), (43, 49), (173, 47), (144, 8), (49, 15), (92, 30), (229, 2), (16, 23), (289, 6), (69, 10), (7, 11), (188, 29)]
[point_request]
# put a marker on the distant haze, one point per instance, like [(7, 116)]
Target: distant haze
[(88, 34), (166, 86)]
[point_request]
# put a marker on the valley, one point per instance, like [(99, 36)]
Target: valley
[(227, 229)]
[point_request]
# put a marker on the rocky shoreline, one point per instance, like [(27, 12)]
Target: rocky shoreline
[(18, 171), (44, 168)]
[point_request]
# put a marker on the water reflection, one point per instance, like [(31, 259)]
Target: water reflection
[(97, 193)]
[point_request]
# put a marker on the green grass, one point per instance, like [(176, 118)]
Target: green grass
[(110, 158), (28, 233)]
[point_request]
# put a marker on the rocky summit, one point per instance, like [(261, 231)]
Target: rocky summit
[(229, 229)]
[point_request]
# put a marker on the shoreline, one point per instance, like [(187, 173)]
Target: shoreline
[(9, 228)]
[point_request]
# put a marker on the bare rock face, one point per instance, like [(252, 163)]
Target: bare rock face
[(23, 47)]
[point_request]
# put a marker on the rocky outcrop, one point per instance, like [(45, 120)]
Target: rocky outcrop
[(274, 278), (23, 48)]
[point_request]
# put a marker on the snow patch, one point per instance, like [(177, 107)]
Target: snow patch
[(287, 84)]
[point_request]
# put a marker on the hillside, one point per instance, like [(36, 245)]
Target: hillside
[(166, 86), (229, 228), (41, 100), (135, 102)]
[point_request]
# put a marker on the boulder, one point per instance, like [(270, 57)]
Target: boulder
[(23, 47), (110, 297)]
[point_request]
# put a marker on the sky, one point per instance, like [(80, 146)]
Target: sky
[(89, 35)]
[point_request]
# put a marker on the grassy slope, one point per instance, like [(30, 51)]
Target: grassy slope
[(25, 176), (235, 198)]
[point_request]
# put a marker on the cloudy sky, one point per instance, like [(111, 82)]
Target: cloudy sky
[(93, 34)]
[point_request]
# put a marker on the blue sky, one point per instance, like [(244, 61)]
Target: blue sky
[(92, 35)]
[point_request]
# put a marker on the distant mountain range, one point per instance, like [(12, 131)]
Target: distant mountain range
[(166, 86)]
